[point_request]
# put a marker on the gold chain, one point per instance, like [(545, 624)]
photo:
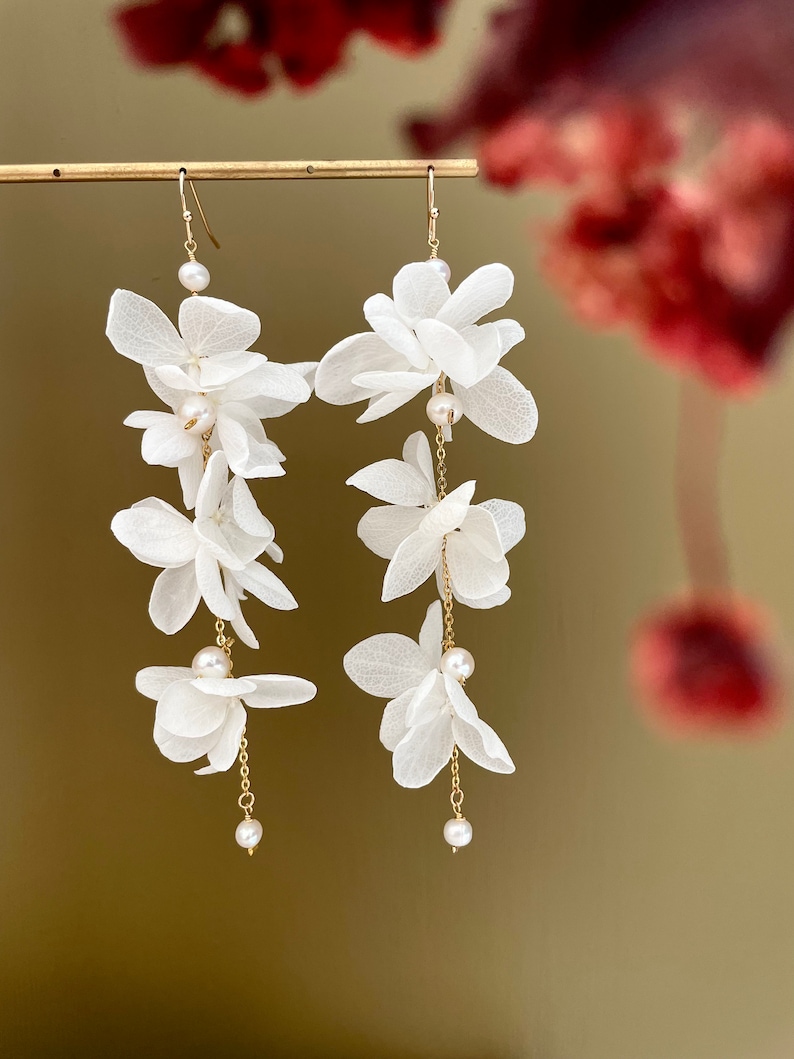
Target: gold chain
[(247, 797), (457, 796)]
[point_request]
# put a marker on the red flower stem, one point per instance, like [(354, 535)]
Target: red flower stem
[(700, 433)]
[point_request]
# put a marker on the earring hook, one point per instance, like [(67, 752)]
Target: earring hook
[(432, 213), (187, 216)]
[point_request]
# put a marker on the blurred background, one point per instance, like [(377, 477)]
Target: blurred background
[(626, 896)]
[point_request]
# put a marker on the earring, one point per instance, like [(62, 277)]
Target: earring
[(423, 337), (217, 391)]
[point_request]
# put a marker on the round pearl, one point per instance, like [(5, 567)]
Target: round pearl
[(194, 276), (248, 834), (211, 662), (441, 267), (198, 408), (457, 832), (457, 662), (439, 407)]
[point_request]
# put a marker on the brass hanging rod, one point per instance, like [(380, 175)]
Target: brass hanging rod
[(358, 168)]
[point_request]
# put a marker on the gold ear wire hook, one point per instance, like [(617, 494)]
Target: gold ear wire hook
[(187, 216), (432, 212)]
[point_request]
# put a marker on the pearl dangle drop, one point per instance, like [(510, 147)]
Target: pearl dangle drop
[(194, 276), (444, 409), (457, 662), (197, 414), (211, 662)]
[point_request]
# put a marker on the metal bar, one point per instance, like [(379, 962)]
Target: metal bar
[(359, 168)]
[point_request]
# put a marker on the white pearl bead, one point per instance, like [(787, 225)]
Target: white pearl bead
[(441, 267), (457, 832), (457, 662), (194, 276), (248, 834), (211, 662), (439, 407), (199, 409)]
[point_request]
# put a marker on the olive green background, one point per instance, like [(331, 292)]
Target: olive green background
[(625, 897)]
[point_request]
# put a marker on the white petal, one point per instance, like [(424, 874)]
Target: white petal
[(277, 381), (184, 710), (264, 584), (510, 334), (218, 371), (383, 529), (142, 332), (480, 743), (351, 356), (395, 482), (501, 407), (424, 752), (496, 599), (191, 472), (449, 350), (416, 452), (486, 289), (153, 680), (420, 291), (239, 624), (245, 443), (485, 341), (166, 394), (430, 698), (392, 726), (208, 577), (168, 443), (274, 690), (431, 634), (448, 513), (395, 381), (479, 528), (225, 687), (382, 317), (180, 748), (412, 564), (460, 701), (213, 485), (144, 420), (210, 326), (510, 521), (473, 575), (379, 407), (225, 751), (179, 379), (385, 665), (159, 536), (174, 599), (246, 514)]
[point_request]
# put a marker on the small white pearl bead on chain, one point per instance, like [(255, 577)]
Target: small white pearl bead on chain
[(458, 832), (248, 834)]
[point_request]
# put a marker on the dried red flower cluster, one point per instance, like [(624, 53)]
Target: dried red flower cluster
[(248, 44), (704, 665)]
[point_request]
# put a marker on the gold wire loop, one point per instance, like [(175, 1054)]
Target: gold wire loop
[(432, 212), (190, 243)]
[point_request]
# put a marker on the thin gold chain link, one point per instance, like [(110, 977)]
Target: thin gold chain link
[(457, 795)]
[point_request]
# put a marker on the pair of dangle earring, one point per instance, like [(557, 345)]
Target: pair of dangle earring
[(218, 392), (426, 337)]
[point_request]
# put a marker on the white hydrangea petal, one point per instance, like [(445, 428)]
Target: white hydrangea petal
[(168, 443), (351, 356), (246, 513), (210, 326), (213, 486), (431, 634), (241, 627), (224, 753), (394, 482), (385, 665), (382, 317), (307, 369), (181, 749), (419, 291), (486, 289), (496, 599), (212, 539), (174, 598), (411, 565), (191, 472), (450, 512), (460, 701), (245, 444), (144, 420), (141, 331), (179, 379), (473, 575), (510, 521), (395, 381), (274, 690), (449, 350), (392, 726), (423, 753), (380, 406), (275, 552), (218, 371), (383, 529), (510, 334), (158, 536), (167, 394), (484, 340), (264, 584), (479, 528), (416, 453), (429, 698), (500, 406), (208, 577), (225, 687), (276, 381), (183, 710), (153, 680), (480, 743)]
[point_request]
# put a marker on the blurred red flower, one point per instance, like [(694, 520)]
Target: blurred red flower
[(706, 665), (247, 44)]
